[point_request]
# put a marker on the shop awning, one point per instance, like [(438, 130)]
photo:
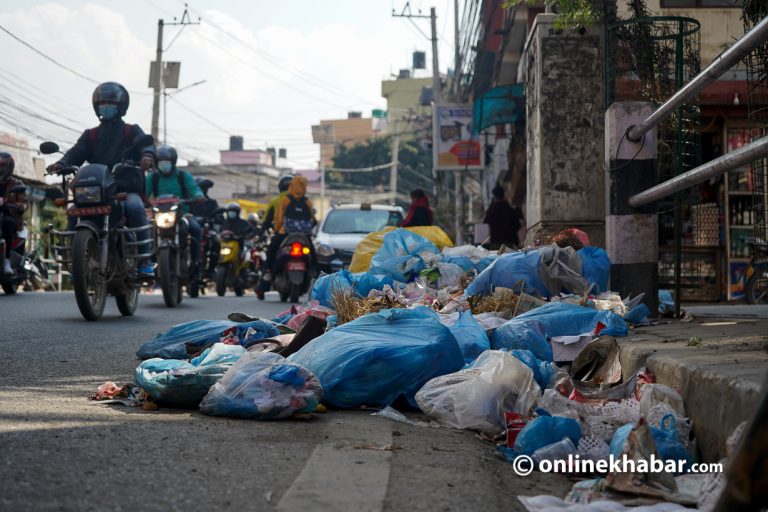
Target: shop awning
[(500, 105)]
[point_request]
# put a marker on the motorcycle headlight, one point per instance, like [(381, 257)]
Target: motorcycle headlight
[(165, 220), (325, 250), (226, 251), (88, 195)]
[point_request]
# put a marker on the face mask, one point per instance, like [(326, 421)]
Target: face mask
[(165, 167), (107, 111), (232, 214)]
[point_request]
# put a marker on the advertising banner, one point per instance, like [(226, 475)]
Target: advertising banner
[(454, 146)]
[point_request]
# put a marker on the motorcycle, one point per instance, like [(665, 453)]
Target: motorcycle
[(756, 287), (294, 266), (37, 277), (100, 253), (174, 258), (10, 282), (238, 268)]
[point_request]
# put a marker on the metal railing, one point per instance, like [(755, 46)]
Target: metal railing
[(746, 154)]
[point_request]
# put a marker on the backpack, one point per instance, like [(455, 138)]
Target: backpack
[(156, 183), (297, 217)]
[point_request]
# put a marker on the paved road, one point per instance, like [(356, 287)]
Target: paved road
[(58, 451)]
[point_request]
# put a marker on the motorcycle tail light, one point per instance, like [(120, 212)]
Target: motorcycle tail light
[(297, 249)]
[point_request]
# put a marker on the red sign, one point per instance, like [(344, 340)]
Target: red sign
[(88, 211)]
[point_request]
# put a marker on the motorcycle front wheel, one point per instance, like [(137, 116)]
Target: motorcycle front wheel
[(221, 280), (169, 281), (756, 288), (10, 288), (127, 302), (90, 286)]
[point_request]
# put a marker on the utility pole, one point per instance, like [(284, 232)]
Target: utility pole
[(157, 84), (458, 176), (395, 163)]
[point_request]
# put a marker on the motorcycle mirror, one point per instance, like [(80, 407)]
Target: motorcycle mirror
[(143, 141), (48, 148)]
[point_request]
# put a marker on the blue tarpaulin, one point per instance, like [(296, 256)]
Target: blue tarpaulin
[(500, 105)]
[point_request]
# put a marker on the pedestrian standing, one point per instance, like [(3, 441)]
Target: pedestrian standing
[(419, 214), (503, 220)]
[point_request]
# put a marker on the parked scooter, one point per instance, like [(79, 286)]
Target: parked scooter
[(293, 266), (175, 266), (101, 253)]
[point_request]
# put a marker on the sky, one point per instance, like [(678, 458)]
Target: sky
[(271, 68)]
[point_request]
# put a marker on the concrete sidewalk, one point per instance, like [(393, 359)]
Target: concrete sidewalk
[(718, 362)]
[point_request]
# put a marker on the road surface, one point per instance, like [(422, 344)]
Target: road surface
[(59, 451)]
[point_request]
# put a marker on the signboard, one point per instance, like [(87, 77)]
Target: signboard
[(323, 134), (454, 146), (170, 74)]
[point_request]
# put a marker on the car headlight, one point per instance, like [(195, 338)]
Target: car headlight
[(226, 251), (165, 220), (325, 250), (88, 195)]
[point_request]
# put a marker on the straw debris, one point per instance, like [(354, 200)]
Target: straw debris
[(503, 300), (350, 306)]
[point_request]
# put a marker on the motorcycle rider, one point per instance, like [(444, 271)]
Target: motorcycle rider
[(282, 186), (12, 207), (294, 213), (106, 144), (240, 227), (169, 180), (208, 211)]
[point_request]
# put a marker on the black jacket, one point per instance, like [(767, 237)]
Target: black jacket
[(107, 147), (504, 221), (205, 210)]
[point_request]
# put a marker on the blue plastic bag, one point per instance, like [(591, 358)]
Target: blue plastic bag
[(485, 263), (182, 383), (462, 261), (545, 430), (362, 283), (638, 314), (508, 270), (198, 335), (595, 267), (666, 301), (470, 335), (543, 371), (401, 255), (378, 357), (263, 386), (666, 438), (530, 335)]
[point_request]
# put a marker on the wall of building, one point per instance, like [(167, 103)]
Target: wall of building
[(245, 157), (347, 132), (403, 104)]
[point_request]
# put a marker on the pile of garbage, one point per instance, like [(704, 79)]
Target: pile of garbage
[(519, 346)]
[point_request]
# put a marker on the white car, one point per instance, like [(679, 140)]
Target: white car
[(345, 226)]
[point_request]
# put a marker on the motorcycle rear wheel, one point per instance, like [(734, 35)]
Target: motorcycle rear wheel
[(169, 281), (10, 288), (221, 281), (90, 286), (239, 287), (756, 288), (127, 302)]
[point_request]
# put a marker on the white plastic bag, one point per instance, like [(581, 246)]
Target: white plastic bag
[(478, 396)]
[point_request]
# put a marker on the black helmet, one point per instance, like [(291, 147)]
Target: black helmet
[(111, 92), (174, 156), (233, 210), (204, 183), (6, 165), (282, 185), (166, 152)]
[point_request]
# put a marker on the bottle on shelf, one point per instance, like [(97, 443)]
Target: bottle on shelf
[(740, 214), (733, 213)]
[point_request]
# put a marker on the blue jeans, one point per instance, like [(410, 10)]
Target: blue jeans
[(136, 217)]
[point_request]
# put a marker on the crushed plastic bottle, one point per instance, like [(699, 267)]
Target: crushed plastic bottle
[(555, 451)]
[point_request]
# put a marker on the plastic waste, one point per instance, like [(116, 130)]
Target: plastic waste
[(545, 430), (561, 270), (638, 314), (666, 302), (402, 255), (362, 283), (184, 383), (378, 357), (395, 415), (508, 270), (473, 253), (470, 336), (531, 330), (450, 275), (263, 386), (653, 394), (555, 451), (361, 259), (463, 262), (478, 396), (595, 267), (666, 439), (190, 338), (543, 371)]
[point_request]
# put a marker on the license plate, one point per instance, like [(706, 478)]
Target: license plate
[(293, 266), (88, 211)]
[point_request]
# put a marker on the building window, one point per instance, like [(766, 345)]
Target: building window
[(685, 4)]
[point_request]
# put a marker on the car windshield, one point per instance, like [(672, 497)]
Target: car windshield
[(341, 221)]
